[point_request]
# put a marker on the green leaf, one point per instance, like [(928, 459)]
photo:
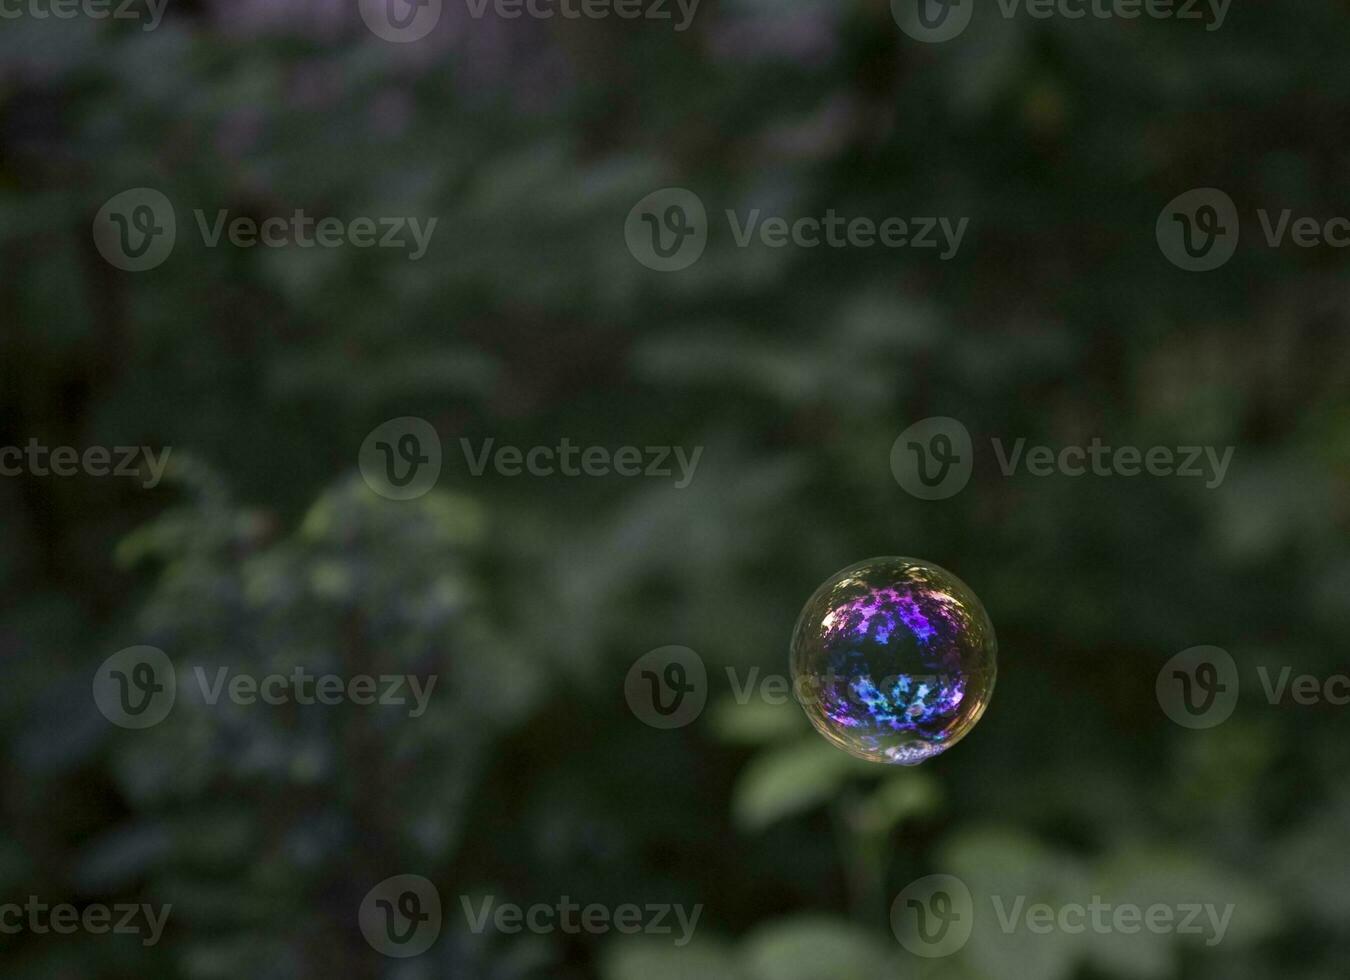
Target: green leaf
[(909, 793), (790, 780), (652, 960), (1007, 873), (756, 722), (815, 948)]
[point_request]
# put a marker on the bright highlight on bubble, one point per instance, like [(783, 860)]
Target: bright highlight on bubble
[(894, 660)]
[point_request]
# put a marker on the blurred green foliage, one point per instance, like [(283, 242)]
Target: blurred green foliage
[(529, 597)]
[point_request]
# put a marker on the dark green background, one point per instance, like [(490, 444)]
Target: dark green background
[(1060, 320)]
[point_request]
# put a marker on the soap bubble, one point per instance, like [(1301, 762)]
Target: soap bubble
[(894, 660)]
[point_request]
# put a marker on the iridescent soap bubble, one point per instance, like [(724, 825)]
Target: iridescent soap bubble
[(894, 660)]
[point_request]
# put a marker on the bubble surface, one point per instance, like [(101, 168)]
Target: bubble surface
[(894, 660)]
